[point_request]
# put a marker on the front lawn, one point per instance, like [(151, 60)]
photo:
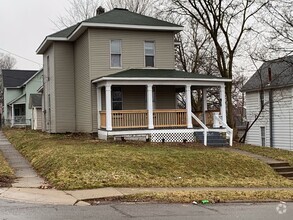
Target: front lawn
[(6, 173), (79, 161), (275, 153)]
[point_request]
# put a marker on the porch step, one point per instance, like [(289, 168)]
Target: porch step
[(281, 164), (284, 169), (213, 139)]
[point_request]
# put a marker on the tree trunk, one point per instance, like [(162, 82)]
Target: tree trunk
[(230, 118)]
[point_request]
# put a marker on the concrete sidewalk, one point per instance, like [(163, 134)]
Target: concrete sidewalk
[(26, 177), (77, 197)]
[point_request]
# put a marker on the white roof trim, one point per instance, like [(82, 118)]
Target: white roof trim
[(158, 79), (106, 25), (48, 40)]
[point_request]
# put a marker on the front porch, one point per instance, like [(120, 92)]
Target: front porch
[(151, 109)]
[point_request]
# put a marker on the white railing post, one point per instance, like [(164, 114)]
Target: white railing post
[(150, 106), (228, 129), (204, 104), (188, 106), (12, 116), (223, 104), (99, 106), (205, 129), (108, 108)]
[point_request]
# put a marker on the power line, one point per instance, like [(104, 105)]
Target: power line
[(40, 65)]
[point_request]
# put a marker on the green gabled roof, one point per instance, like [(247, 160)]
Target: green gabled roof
[(117, 16), (123, 16), (159, 73), (65, 32)]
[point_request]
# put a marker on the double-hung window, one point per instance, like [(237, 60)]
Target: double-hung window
[(116, 52), (149, 53)]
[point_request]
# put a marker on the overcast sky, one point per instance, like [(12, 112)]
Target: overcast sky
[(24, 25)]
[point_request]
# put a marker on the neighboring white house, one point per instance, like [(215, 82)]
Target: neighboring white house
[(271, 87), (18, 85), (35, 104)]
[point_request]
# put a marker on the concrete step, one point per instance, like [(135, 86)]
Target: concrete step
[(281, 164), (286, 174), (283, 169)]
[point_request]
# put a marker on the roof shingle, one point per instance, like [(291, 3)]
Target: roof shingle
[(282, 75), (16, 78)]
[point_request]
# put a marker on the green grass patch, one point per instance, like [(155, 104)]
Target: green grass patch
[(6, 173), (80, 161), (275, 153), (212, 196)]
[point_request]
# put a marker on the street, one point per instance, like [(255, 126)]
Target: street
[(15, 211)]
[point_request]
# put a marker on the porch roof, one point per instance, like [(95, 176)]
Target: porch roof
[(159, 74), (18, 100)]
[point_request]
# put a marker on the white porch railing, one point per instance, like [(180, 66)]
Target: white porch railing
[(205, 129), (229, 130), (21, 119)]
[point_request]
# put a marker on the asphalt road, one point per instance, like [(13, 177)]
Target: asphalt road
[(14, 210)]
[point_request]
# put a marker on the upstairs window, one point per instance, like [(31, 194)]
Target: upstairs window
[(48, 67), (116, 53), (149, 53)]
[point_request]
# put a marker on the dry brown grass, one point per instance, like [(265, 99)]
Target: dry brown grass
[(80, 161)]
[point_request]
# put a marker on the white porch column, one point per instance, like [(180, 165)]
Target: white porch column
[(99, 105), (108, 108), (12, 115), (223, 104), (188, 106), (204, 104), (150, 106)]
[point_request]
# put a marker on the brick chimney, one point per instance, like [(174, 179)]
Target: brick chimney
[(100, 10)]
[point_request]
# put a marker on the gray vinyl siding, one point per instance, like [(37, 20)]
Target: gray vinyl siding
[(94, 108), (165, 97), (49, 89), (64, 87), (83, 85), (134, 97), (132, 50)]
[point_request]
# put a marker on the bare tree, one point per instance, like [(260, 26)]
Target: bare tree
[(145, 7), (6, 61), (77, 11), (226, 21)]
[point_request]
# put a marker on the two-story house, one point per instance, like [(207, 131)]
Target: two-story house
[(18, 85), (114, 75)]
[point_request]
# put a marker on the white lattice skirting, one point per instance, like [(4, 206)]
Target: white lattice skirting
[(172, 136)]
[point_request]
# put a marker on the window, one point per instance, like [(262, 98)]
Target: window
[(263, 136), (116, 98), (261, 98), (116, 53), (149, 52)]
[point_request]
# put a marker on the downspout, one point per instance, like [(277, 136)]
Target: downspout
[(270, 108)]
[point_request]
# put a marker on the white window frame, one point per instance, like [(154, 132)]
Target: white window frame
[(144, 57), (115, 67)]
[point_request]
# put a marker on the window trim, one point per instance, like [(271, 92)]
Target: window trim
[(115, 67), (144, 57)]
